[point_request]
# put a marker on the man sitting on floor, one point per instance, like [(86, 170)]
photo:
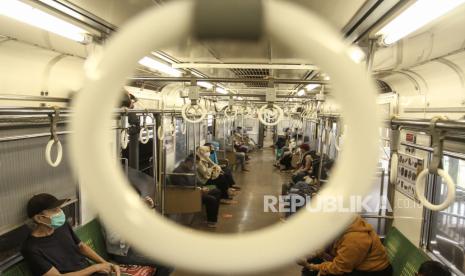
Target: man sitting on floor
[(358, 251), (52, 249)]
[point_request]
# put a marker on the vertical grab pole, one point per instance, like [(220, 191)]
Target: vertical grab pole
[(304, 130), (155, 163), (195, 156), (119, 126), (163, 168), (213, 133), (158, 163), (381, 193), (200, 131), (322, 153), (224, 138), (242, 126), (186, 137), (164, 176)]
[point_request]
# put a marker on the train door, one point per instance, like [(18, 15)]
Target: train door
[(444, 234)]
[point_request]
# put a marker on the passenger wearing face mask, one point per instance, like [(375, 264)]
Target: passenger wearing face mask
[(53, 249), (229, 178), (210, 174), (213, 155)]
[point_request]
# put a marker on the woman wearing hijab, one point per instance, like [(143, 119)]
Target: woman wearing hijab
[(209, 173)]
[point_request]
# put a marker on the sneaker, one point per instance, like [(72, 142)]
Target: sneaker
[(228, 201), (211, 224)]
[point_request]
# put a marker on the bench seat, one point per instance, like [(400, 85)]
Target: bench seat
[(90, 234), (404, 256)]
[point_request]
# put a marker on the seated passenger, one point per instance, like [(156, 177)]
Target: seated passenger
[(208, 173), (327, 166), (279, 145), (240, 158), (305, 165), (213, 155), (292, 144), (52, 248), (245, 139), (241, 161), (123, 253), (280, 142), (240, 147), (210, 197), (358, 251), (285, 161), (433, 268), (229, 178), (239, 144)]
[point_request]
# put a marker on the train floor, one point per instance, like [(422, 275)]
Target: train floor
[(246, 213)]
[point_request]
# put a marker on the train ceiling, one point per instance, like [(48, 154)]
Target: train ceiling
[(270, 57)]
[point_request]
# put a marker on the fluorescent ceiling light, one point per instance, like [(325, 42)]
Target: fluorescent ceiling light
[(311, 86), (221, 90), (158, 66), (416, 16), (301, 92), (205, 84), (325, 76), (356, 54), (35, 17)]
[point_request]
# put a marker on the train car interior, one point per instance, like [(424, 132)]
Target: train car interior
[(232, 137)]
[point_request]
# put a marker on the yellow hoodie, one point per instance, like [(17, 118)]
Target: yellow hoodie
[(359, 248)]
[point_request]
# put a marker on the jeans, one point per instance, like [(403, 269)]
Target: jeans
[(211, 200), (135, 258), (240, 157)]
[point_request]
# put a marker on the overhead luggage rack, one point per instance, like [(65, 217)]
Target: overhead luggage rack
[(447, 125), (228, 80)]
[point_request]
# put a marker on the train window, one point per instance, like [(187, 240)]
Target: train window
[(181, 142), (447, 228), (332, 148), (385, 148)]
